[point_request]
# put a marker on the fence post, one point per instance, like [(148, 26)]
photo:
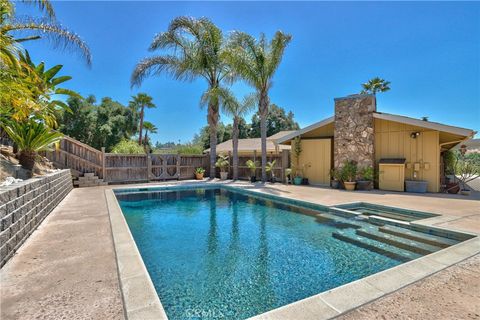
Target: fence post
[(104, 175), (149, 166), (285, 164), (179, 159)]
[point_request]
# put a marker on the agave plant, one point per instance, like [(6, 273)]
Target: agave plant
[(31, 137)]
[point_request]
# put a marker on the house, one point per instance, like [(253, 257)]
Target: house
[(358, 132), (251, 146)]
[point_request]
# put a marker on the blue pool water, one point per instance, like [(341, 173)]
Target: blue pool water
[(214, 253)]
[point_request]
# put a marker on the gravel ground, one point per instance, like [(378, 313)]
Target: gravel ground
[(453, 293)]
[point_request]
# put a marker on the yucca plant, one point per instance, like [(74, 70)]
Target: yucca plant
[(270, 167), (31, 137)]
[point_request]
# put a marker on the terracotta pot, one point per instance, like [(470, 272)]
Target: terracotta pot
[(349, 186), (453, 187), (198, 176)]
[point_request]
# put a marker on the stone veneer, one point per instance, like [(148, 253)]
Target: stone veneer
[(354, 134), (24, 205)]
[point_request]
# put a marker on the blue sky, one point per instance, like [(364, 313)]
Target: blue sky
[(429, 51)]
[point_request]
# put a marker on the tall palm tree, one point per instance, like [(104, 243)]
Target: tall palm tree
[(375, 85), (237, 110), (149, 127), (193, 49), (140, 102), (256, 61), (35, 29)]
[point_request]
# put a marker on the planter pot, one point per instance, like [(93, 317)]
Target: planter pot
[(253, 179), (223, 175), (465, 192), (199, 176), (305, 181), (297, 181), (453, 187), (365, 185), (349, 186), (273, 180), (335, 184), (417, 186)]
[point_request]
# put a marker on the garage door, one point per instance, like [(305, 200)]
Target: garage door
[(316, 156)]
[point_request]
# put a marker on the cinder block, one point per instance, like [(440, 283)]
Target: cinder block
[(89, 174)]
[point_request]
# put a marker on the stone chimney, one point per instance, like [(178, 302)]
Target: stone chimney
[(354, 137)]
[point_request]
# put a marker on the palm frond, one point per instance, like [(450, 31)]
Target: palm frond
[(59, 36), (43, 5)]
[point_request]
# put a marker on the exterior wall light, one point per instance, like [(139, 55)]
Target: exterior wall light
[(414, 135)]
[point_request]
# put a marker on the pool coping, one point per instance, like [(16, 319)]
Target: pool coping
[(140, 299), (326, 305)]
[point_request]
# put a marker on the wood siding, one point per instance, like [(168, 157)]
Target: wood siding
[(316, 157), (392, 140)]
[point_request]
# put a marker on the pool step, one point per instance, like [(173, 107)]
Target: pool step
[(375, 246), (390, 215), (431, 239), (399, 242), (339, 221)]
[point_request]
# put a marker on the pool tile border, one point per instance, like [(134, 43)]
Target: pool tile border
[(140, 298), (325, 305)]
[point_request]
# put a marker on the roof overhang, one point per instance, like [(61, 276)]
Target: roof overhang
[(425, 124), (311, 127)]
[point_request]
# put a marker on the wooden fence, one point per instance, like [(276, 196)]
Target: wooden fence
[(124, 168)]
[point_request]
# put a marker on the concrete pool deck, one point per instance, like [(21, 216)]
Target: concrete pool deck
[(67, 268)]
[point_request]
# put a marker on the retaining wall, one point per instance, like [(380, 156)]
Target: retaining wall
[(24, 205)]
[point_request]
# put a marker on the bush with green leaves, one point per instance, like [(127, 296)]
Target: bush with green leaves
[(200, 170), (222, 162), (366, 174), (128, 147), (349, 171), (252, 166), (31, 137)]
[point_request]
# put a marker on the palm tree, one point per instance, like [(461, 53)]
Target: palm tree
[(375, 85), (237, 110), (45, 28), (149, 127), (194, 49), (140, 102), (256, 62)]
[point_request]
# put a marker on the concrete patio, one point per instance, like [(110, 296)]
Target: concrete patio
[(67, 268)]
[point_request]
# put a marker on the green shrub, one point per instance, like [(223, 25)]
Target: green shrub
[(367, 173), (128, 147), (349, 171), (189, 149)]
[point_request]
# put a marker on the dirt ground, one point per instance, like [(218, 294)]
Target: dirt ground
[(453, 293), (8, 162)]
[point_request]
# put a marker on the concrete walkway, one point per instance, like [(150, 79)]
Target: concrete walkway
[(67, 269)]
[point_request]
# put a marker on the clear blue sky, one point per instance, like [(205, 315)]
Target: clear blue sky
[(429, 51)]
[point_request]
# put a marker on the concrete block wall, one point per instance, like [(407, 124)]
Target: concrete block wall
[(24, 205)]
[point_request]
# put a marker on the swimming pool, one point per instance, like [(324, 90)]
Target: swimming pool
[(217, 253)]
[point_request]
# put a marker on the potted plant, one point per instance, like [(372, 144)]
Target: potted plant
[(349, 174), (366, 179), (304, 172), (223, 163), (288, 172), (297, 150), (253, 170), (269, 168), (467, 168), (335, 178), (199, 172)]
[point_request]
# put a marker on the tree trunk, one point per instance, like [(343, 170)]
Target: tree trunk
[(212, 119), (235, 147), (141, 127), (27, 159), (263, 110)]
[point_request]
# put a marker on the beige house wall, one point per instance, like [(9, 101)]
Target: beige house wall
[(393, 140)]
